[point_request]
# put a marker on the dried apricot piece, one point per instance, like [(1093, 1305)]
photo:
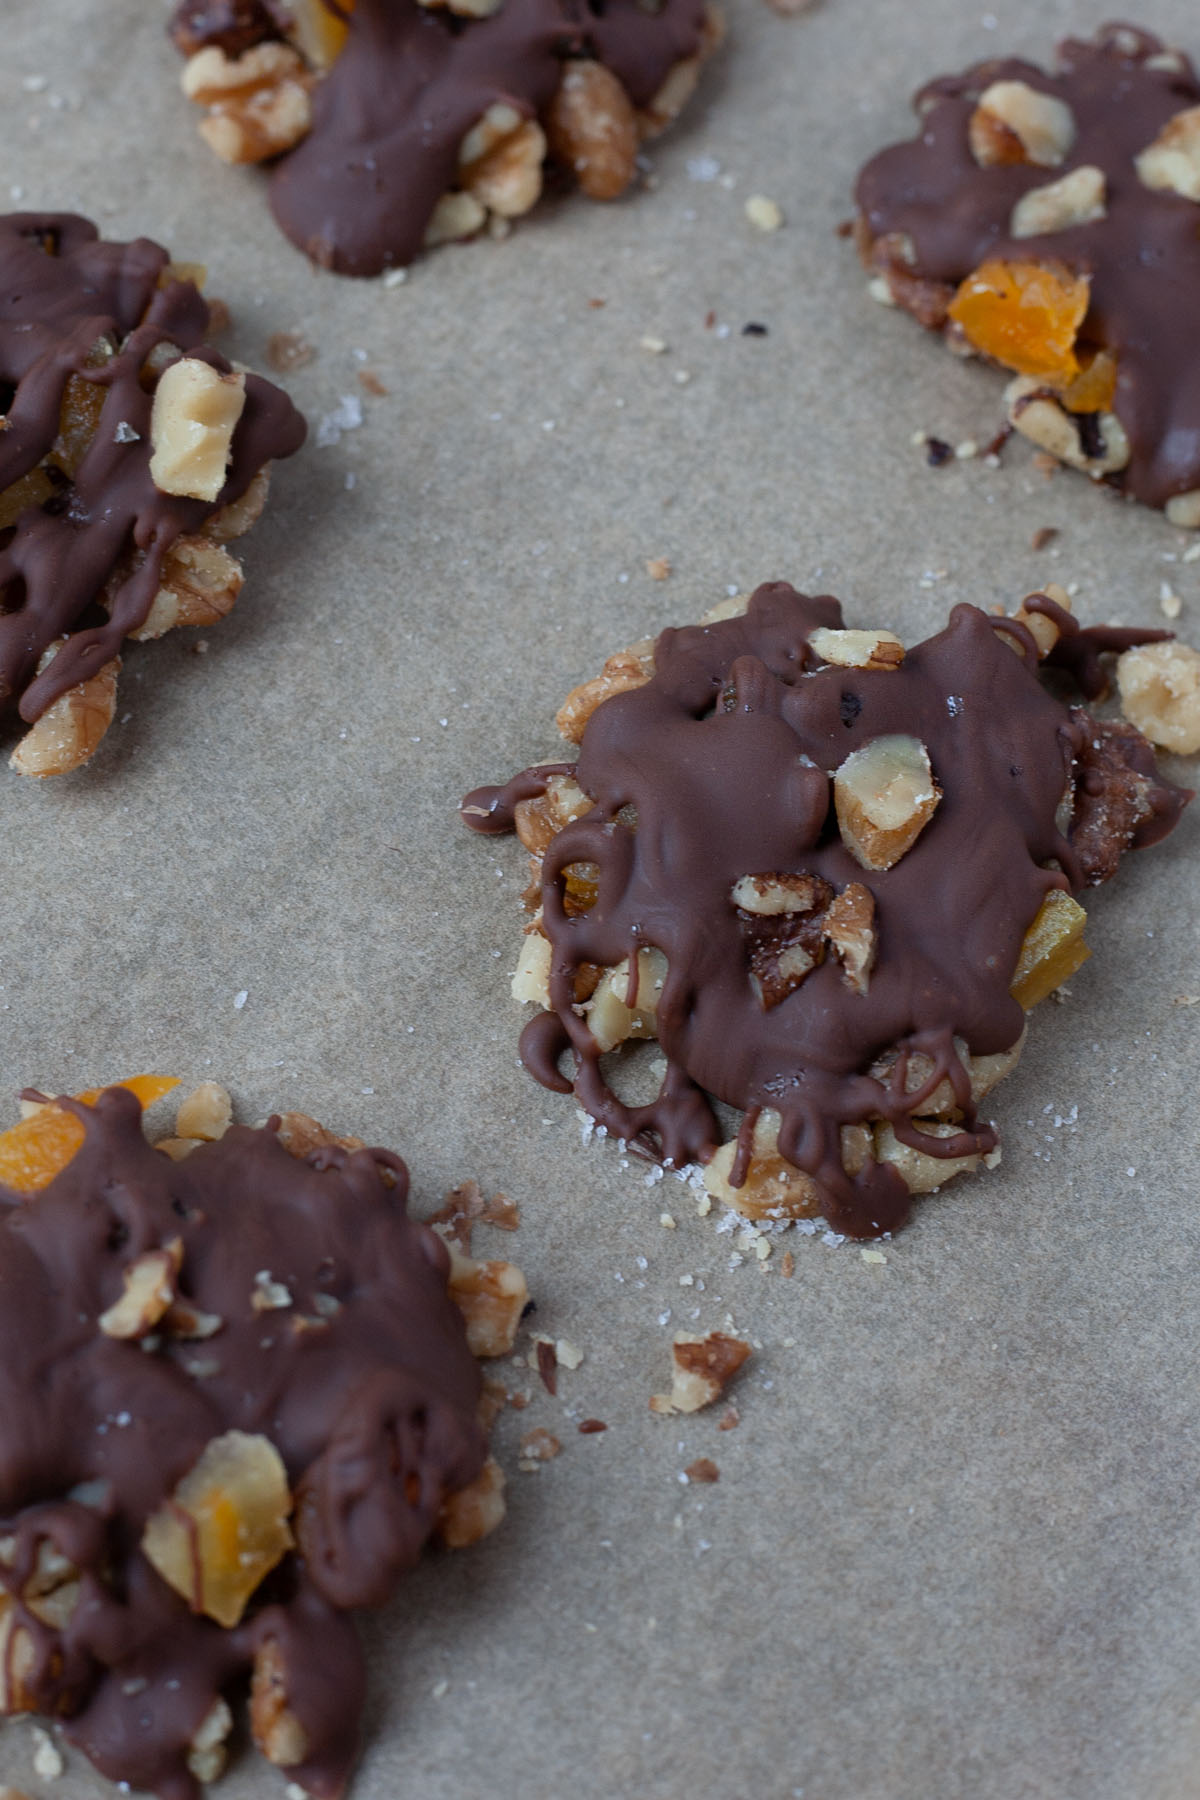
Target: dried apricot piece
[(1052, 951), (1025, 315), (40, 1147), (318, 33), (79, 417), (1095, 387)]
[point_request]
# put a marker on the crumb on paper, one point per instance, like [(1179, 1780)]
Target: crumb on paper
[(704, 1470), (537, 1447), (702, 1368), (47, 1757), (763, 213), (658, 568), (288, 350), (1043, 537), (590, 1427)]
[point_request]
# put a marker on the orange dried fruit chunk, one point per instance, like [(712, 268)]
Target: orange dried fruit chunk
[(40, 1147), (1052, 951), (79, 418), (316, 32), (1095, 387), (1025, 315), (33, 489)]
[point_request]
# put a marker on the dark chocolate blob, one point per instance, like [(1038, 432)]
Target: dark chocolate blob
[(364, 1384), (102, 536), (719, 767), (390, 115), (1143, 256)]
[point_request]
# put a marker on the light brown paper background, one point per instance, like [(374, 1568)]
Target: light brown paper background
[(954, 1549)]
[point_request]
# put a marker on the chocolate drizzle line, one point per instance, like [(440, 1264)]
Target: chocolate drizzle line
[(725, 758), (62, 290), (365, 1386), (1143, 257), (390, 115)]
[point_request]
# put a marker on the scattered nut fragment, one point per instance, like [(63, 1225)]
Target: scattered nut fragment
[(225, 1526), (885, 795), (1074, 199), (531, 979), (704, 1470), (1160, 694), (702, 1369), (507, 178), (195, 414), (1014, 123), (774, 1188), (269, 1295), (1093, 442), (1173, 159), (277, 1731), (199, 584), (538, 1446), (658, 568), (1184, 510), (764, 214), (592, 129), (149, 1291), (206, 1113), (850, 927), (288, 350), (300, 1135), (491, 1297), (457, 215), (18, 1661), (473, 1511), (619, 1010), (70, 730), (858, 649), (1040, 626), (258, 103), (768, 896)]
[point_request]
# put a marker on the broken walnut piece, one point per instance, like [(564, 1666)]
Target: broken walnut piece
[(149, 1291), (207, 1753), (849, 926), (1014, 123), (885, 796), (505, 173), (277, 1731), (225, 1526), (491, 1296), (857, 649), (628, 669), (1160, 694), (702, 1368), (1096, 445), (1078, 198), (70, 730), (591, 127), (1173, 159), (258, 103), (196, 411), (474, 1511)]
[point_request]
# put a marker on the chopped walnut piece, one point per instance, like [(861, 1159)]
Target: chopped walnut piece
[(1160, 694), (540, 819), (547, 1364), (592, 128), (850, 927), (681, 80), (195, 413), (1044, 631), (475, 1511), (18, 1661), (457, 215), (1074, 199), (1094, 442), (628, 669), (207, 1753), (858, 649), (491, 1297), (149, 1291), (69, 732), (277, 1731), (206, 1113), (531, 978), (703, 1368), (258, 103), (885, 796), (1184, 510), (237, 516), (922, 1172), (703, 1470), (1173, 159), (769, 895), (288, 350), (225, 1526), (539, 1446), (507, 177), (300, 1135), (1114, 781), (199, 584), (1014, 123), (774, 1188), (615, 1013)]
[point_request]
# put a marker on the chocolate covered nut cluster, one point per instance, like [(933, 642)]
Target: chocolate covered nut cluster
[(830, 874), (131, 453), (238, 1394), (402, 124), (1051, 222)]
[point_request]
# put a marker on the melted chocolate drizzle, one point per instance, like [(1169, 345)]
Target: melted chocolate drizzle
[(108, 528), (725, 758), (1143, 257), (364, 1384), (391, 113)]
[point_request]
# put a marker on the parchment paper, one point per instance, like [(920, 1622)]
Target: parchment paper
[(953, 1550)]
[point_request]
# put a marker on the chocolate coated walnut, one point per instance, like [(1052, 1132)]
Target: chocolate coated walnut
[(130, 454), (830, 874), (1051, 221), (402, 124), (237, 1397)]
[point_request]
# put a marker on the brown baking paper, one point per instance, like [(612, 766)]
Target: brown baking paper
[(953, 1550)]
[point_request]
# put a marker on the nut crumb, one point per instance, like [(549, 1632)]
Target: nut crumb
[(787, 1266), (589, 1427), (730, 1419), (763, 213), (547, 1365), (703, 1470), (702, 1368), (288, 350), (370, 382), (658, 568), (47, 1757), (1043, 537), (538, 1446)]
